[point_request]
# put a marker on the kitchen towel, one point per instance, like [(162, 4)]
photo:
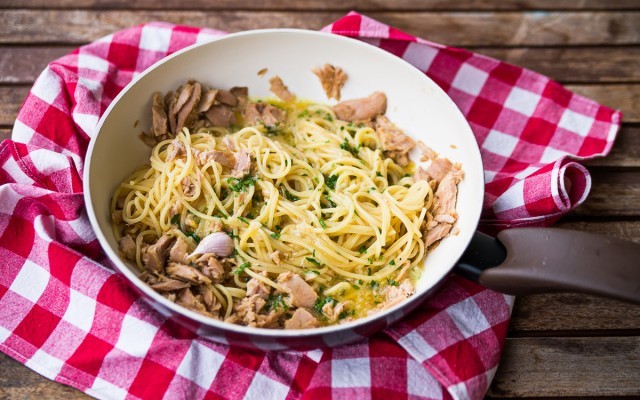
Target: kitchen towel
[(65, 314)]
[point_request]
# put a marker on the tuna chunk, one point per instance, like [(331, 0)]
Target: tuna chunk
[(302, 295), (170, 285), (427, 152), (362, 109), (397, 294), (156, 254), (128, 247), (243, 165), (445, 196), (332, 80), (207, 100), (248, 308), (188, 187), (186, 273), (211, 267), (439, 168), (301, 319), (224, 158), (438, 232), (257, 287), (184, 109), (332, 311), (175, 149), (186, 299), (158, 115), (395, 143), (280, 89), (267, 114), (220, 116), (209, 300), (226, 97), (179, 251), (241, 93)]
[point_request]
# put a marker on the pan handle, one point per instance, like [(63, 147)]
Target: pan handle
[(540, 260)]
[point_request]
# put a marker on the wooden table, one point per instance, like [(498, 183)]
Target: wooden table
[(561, 345)]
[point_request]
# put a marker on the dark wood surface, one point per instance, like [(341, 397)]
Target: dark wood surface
[(559, 345)]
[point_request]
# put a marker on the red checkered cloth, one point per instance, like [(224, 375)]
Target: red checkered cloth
[(65, 314)]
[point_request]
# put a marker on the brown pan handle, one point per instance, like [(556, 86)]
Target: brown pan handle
[(551, 260)]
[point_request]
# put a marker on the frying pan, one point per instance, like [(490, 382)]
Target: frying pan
[(518, 261)]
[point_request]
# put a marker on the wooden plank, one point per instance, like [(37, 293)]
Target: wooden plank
[(461, 29), (625, 151), (22, 64), (576, 367), (19, 382), (622, 97), (582, 314), (5, 133), (363, 5), (625, 97), (613, 193)]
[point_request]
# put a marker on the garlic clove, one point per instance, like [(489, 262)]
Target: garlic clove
[(218, 243)]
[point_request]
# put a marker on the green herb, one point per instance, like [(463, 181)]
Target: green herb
[(378, 173), (278, 228), (275, 301), (305, 113), (346, 146), (329, 118), (241, 268), (321, 301), (373, 189), (286, 162), (275, 235), (193, 236), (360, 282), (391, 282), (362, 249), (313, 261), (232, 235), (344, 314), (330, 181), (370, 259), (272, 129), (369, 271), (322, 223), (285, 193), (373, 284), (243, 220), (392, 262), (241, 185), (331, 202), (175, 220), (356, 287), (315, 178)]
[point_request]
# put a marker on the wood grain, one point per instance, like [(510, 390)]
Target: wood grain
[(576, 367), (19, 382), (615, 193), (458, 29), (625, 151), (5, 133), (364, 5), (22, 64)]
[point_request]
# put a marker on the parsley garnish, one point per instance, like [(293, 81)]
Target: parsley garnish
[(243, 220), (193, 236), (232, 235), (378, 173), (241, 185), (346, 146), (392, 262), (175, 220), (313, 261), (322, 223), (356, 287), (330, 181), (362, 249), (274, 301), (373, 284), (241, 268), (275, 235), (391, 282), (321, 301), (285, 193)]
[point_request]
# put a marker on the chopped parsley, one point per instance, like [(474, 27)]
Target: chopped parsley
[(344, 314), (241, 268), (373, 284), (392, 262), (391, 282), (313, 261), (241, 185), (330, 201), (346, 146), (275, 235), (232, 235), (362, 249), (330, 181), (175, 220), (322, 223), (303, 114), (244, 220), (193, 236), (356, 287), (378, 173), (322, 301), (285, 193), (275, 301)]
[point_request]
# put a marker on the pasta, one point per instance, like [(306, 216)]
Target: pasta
[(324, 226)]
